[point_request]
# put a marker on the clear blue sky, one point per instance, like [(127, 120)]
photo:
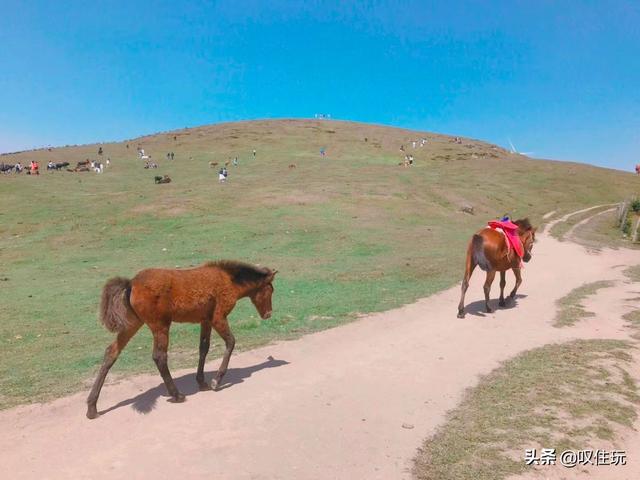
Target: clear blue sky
[(560, 78)]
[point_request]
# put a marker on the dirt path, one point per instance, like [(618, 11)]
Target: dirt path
[(327, 406)]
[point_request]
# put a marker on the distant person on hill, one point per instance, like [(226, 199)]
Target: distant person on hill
[(254, 152), (100, 151), (172, 155), (235, 162), (168, 156), (638, 169), (34, 168), (322, 152), (19, 167)]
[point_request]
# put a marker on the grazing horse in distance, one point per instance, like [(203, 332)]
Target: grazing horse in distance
[(6, 167), (162, 179), (157, 297), (489, 249)]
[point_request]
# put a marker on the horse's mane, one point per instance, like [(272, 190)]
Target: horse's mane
[(524, 224), (241, 273)]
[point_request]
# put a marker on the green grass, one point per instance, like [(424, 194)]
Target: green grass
[(570, 310), (350, 233), (633, 273), (565, 396), (633, 322)]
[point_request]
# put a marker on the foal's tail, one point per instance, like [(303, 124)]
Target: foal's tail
[(114, 305), (478, 253)]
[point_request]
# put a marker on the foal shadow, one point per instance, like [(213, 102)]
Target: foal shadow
[(477, 309), (187, 385)]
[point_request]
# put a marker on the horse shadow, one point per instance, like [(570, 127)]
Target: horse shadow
[(477, 308), (145, 402)]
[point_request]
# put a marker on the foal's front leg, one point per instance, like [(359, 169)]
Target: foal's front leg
[(205, 338), (222, 327), (487, 289), (160, 347), (516, 272)]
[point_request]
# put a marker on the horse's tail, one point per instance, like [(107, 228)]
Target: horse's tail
[(114, 304), (477, 245)]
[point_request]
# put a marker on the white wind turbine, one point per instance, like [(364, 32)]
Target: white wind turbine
[(513, 150)]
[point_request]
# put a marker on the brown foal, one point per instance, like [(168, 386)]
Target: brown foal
[(489, 250), (158, 297)]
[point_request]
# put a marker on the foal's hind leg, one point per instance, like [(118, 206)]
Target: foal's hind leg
[(160, 347), (205, 338), (465, 285), (222, 327), (110, 357), (503, 282), (487, 289)]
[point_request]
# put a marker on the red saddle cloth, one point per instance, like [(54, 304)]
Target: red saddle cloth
[(511, 232)]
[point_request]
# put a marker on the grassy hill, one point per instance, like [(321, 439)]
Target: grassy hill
[(351, 232)]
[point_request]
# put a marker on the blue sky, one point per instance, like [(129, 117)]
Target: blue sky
[(559, 78)]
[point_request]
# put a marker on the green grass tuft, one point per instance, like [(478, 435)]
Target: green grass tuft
[(633, 273), (563, 396), (570, 310)]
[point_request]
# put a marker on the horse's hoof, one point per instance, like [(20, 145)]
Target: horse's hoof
[(178, 398), (92, 413), (502, 303), (203, 387), (489, 310), (460, 314)]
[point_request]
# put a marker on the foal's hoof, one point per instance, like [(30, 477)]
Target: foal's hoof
[(502, 303), (178, 398), (460, 314), (489, 310), (92, 413), (203, 387)]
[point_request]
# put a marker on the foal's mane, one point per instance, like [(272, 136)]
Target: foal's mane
[(524, 224), (241, 273)]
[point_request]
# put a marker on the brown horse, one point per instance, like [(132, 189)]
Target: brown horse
[(157, 297), (488, 249)]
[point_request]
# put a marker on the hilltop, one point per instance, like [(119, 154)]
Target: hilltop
[(350, 232)]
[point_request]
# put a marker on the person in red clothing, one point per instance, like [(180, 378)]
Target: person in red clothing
[(34, 168)]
